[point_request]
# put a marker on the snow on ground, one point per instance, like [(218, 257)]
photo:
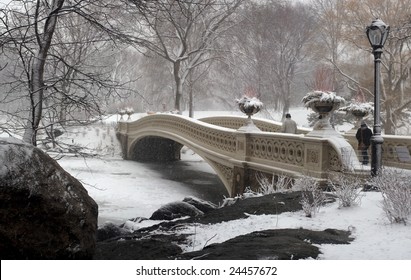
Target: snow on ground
[(375, 238)]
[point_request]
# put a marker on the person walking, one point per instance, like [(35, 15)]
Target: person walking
[(363, 136), (289, 125)]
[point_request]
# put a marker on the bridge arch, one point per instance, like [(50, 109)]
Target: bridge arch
[(154, 149), (165, 146)]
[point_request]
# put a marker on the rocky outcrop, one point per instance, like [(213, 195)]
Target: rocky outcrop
[(276, 244), (45, 213), (176, 210), (160, 241)]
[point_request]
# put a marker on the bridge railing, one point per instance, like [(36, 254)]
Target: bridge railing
[(189, 131), (391, 142), (295, 155), (235, 122), (390, 157)]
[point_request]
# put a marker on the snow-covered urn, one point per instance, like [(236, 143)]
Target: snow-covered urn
[(249, 106), (129, 111), (121, 112), (323, 103), (359, 111)]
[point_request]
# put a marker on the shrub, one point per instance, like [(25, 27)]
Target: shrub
[(275, 185), (312, 197), (395, 187), (347, 189)]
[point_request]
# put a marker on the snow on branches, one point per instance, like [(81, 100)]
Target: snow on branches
[(358, 108)]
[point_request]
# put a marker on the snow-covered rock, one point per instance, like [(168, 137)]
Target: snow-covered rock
[(175, 210), (202, 205), (45, 213)]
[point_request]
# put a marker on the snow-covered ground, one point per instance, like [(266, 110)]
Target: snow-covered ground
[(375, 238)]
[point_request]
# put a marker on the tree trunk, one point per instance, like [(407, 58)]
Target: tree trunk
[(286, 92), (36, 88), (191, 103), (179, 86), (36, 83), (286, 105)]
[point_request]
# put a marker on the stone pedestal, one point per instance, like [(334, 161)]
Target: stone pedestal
[(359, 116), (250, 110), (322, 127)]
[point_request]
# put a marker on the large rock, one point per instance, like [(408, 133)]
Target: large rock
[(45, 213)]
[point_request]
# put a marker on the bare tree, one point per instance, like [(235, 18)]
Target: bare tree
[(59, 44), (271, 44), (196, 77), (396, 99), (292, 31), (47, 16), (251, 55), (183, 33), (329, 17)]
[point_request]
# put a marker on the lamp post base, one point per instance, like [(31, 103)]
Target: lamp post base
[(376, 154)]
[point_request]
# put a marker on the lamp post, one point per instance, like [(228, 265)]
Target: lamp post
[(377, 34)]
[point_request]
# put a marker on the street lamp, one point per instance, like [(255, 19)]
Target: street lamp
[(377, 34)]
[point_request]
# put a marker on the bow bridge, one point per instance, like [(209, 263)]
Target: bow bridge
[(238, 155)]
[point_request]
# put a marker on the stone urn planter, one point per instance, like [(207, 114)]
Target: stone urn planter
[(249, 106), (323, 103), (359, 111), (129, 111), (121, 112)]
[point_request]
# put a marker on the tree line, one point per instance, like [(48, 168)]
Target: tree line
[(70, 61)]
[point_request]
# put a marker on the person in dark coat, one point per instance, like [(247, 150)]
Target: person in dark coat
[(363, 136)]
